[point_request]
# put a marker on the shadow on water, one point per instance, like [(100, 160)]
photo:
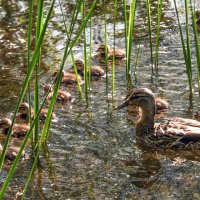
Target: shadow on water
[(92, 151)]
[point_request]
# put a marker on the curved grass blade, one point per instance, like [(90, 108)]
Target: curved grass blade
[(186, 52)]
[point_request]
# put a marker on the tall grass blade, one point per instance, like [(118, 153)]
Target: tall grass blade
[(159, 11), (74, 17), (113, 63), (196, 39), (186, 52), (106, 46), (150, 30), (130, 36), (125, 24)]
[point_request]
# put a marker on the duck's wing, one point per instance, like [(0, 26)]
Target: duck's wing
[(184, 132)]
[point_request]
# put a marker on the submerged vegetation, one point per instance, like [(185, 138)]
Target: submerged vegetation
[(110, 57)]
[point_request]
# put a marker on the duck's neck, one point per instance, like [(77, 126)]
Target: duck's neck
[(145, 124)]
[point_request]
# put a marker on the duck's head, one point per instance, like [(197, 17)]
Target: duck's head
[(102, 49), (5, 123), (48, 88), (142, 97), (79, 63), (55, 73), (24, 108)]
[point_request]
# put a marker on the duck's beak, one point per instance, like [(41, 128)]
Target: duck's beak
[(122, 105)]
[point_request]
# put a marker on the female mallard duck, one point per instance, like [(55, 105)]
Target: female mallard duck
[(11, 152), (176, 133), (18, 130), (95, 71), (68, 78), (23, 113), (100, 54), (62, 95)]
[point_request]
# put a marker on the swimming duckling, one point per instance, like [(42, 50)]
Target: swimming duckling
[(175, 133), (62, 95), (119, 54), (11, 152), (68, 78), (23, 113), (95, 71), (18, 130)]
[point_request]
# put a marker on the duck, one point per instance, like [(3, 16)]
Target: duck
[(11, 152), (68, 78), (62, 96), (175, 133), (95, 70), (23, 114), (18, 130), (119, 54)]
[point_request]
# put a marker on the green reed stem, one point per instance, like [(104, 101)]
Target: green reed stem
[(130, 36), (74, 19), (113, 64), (150, 30), (36, 82), (125, 24), (85, 57), (196, 39), (27, 79), (106, 46), (159, 11), (90, 57), (186, 52)]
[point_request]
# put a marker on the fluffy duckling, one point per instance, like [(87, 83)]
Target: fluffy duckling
[(11, 152), (62, 96), (175, 133), (119, 54), (95, 71), (68, 78), (23, 113), (18, 130)]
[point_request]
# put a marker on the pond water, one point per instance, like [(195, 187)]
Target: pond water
[(92, 151)]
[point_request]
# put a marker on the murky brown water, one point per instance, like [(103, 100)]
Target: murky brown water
[(92, 152)]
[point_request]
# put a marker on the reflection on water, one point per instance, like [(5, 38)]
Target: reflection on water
[(92, 152)]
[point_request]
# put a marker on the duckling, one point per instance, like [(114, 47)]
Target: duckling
[(18, 130), (119, 54), (95, 71), (11, 152), (23, 113), (197, 14), (62, 96), (68, 78), (176, 133)]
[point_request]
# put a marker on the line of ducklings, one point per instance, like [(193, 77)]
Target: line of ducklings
[(68, 78)]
